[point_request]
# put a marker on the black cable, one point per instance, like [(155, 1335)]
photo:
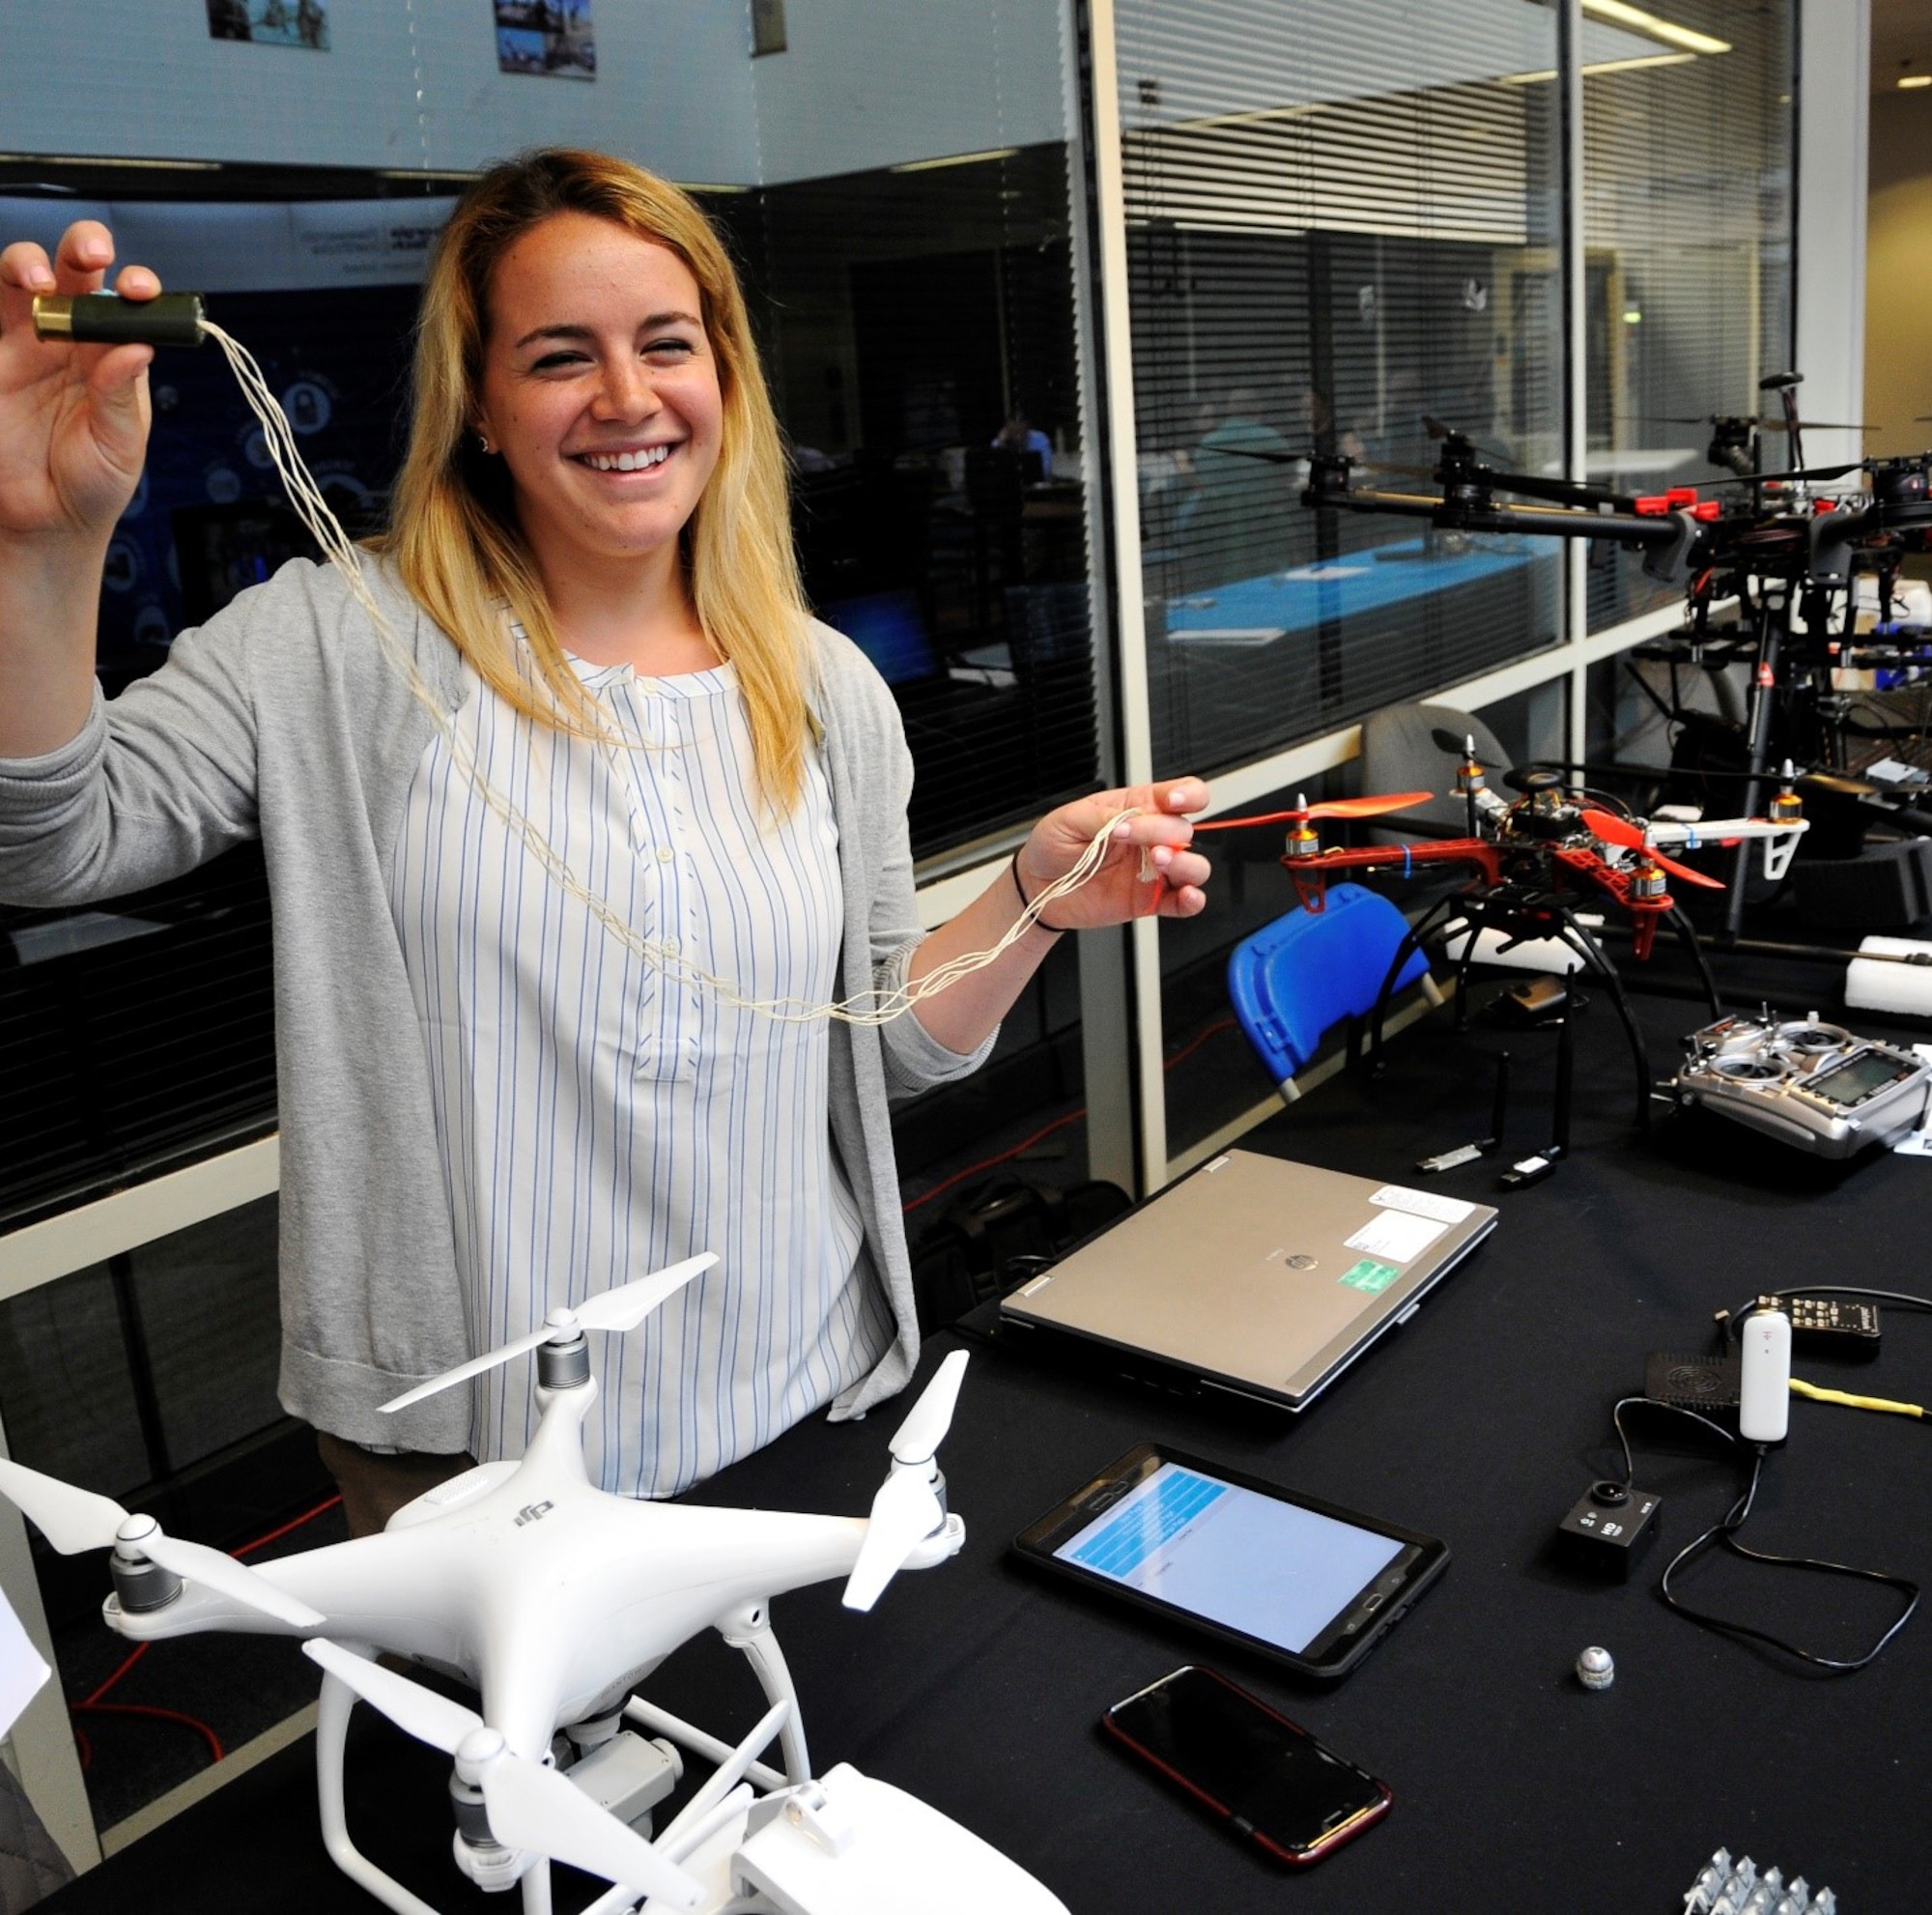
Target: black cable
[(1687, 935), (1733, 1318), (1624, 1403), (1724, 1531), (1609, 800)]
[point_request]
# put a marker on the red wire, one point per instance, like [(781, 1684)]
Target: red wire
[(993, 1162), (90, 1701), (294, 1523), (93, 1706), (1058, 1123), (1193, 1044), (200, 1728)]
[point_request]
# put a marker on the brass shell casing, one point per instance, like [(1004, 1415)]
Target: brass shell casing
[(105, 319)]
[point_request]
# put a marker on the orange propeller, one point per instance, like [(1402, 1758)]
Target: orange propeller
[(1399, 800), (1613, 830)]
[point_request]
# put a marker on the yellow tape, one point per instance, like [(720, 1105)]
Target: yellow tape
[(1798, 1388)]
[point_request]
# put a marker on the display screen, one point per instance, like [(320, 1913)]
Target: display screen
[(1250, 1563), (1860, 1077), (1250, 1762)]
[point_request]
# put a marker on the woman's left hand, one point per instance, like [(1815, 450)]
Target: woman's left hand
[(1174, 879)]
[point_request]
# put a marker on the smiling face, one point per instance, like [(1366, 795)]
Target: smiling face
[(601, 392)]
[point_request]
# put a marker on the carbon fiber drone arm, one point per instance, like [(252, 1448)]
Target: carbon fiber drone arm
[(1670, 533)]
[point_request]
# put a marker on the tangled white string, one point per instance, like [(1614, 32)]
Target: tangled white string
[(876, 1006)]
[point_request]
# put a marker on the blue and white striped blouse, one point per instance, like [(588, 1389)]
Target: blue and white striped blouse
[(598, 1120)]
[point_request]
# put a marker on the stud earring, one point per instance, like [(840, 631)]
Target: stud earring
[(483, 444)]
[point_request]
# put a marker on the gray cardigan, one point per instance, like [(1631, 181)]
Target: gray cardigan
[(281, 720)]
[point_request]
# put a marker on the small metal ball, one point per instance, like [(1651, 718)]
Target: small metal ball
[(1595, 1670)]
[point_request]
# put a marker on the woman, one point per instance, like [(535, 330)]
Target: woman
[(490, 1104)]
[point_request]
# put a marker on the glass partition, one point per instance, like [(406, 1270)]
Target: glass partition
[(1343, 237), (919, 329), (1688, 212)]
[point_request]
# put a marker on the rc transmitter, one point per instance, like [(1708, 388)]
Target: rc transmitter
[(1806, 1083)]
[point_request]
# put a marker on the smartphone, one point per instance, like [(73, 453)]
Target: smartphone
[(1289, 1576), (1233, 1754)]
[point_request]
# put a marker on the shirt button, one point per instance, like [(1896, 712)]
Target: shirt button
[(670, 947), (665, 854)]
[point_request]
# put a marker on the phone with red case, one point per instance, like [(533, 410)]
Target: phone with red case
[(1277, 1785)]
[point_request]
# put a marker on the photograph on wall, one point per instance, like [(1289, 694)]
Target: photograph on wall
[(548, 37), (270, 22)]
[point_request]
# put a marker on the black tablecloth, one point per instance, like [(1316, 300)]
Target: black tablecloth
[(978, 1685)]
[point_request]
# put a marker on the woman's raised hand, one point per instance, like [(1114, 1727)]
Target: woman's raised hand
[(74, 418), (1148, 869)]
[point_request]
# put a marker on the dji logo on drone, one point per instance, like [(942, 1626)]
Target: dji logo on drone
[(532, 1512)]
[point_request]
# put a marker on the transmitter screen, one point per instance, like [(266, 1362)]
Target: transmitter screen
[(1859, 1079), (1270, 1569)]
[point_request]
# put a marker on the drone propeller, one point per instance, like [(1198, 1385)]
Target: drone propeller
[(1613, 830), (1462, 746), (1822, 474), (1378, 806), (907, 1508), (1763, 422), (528, 1806), (73, 1520), (1836, 784), (1442, 429), (1282, 454), (622, 1309)]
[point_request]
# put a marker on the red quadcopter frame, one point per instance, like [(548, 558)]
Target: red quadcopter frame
[(1541, 846)]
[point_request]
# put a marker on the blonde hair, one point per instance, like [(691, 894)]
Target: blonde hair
[(453, 528)]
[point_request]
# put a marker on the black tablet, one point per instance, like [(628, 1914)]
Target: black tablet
[(1288, 1576)]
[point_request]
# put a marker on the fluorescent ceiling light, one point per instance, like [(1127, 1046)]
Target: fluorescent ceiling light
[(1916, 79), (1668, 31), (954, 160), (1603, 67), (708, 187), (423, 173), (1259, 116), (108, 159)]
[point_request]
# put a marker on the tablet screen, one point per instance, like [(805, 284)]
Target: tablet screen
[(1250, 1563)]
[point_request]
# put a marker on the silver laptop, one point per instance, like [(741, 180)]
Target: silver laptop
[(1254, 1276)]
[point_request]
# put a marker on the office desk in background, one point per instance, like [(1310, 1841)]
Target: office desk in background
[(1255, 612), (1241, 669), (978, 1685)]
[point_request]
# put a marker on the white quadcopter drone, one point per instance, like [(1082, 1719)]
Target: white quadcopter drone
[(553, 1600)]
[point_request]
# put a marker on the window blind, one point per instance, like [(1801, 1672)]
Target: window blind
[(918, 329), (1343, 236), (1687, 215)]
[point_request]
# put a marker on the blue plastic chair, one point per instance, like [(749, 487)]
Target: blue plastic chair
[(1295, 978)]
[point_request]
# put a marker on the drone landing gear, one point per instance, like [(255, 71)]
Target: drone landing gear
[(749, 1632), (1557, 922), (331, 1734), (489, 1862)]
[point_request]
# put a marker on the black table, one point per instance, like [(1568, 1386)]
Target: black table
[(978, 1685)]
